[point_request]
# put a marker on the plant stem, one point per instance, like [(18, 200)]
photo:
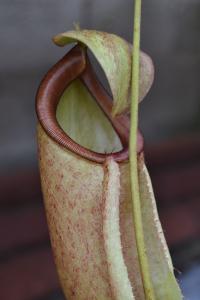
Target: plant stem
[(136, 206)]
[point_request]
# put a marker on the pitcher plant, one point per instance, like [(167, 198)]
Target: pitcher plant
[(105, 232)]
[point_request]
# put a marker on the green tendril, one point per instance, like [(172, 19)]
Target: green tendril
[(136, 205)]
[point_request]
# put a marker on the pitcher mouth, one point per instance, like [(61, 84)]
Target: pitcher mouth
[(75, 64)]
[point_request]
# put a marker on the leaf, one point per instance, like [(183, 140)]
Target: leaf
[(146, 75), (114, 55)]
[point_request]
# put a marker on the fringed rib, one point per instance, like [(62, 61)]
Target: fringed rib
[(119, 281), (161, 269)]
